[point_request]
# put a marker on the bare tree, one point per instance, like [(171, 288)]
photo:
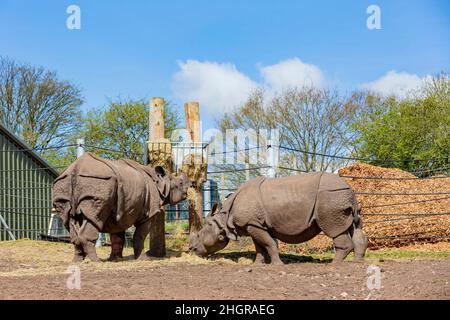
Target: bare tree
[(314, 122), (313, 126), (36, 105), (251, 115)]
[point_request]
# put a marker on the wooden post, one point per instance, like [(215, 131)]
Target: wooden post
[(157, 226), (156, 119), (192, 111)]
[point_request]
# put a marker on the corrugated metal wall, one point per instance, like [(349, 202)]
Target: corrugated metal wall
[(25, 192)]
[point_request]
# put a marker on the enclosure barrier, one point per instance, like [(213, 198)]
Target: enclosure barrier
[(26, 208)]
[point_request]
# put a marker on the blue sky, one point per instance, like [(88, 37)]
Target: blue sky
[(217, 51)]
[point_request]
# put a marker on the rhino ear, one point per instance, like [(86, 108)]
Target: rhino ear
[(215, 208), (160, 171), (230, 226), (230, 235)]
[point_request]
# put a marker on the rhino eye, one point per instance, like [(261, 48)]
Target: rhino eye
[(97, 202), (60, 205)]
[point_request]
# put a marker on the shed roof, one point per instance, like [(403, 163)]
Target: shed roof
[(23, 146)]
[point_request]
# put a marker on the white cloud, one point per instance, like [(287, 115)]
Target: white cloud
[(217, 86), (395, 83), (291, 73), (220, 86)]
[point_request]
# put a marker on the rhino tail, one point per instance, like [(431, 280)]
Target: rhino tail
[(357, 222), (359, 239)]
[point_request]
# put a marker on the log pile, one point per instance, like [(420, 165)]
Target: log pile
[(398, 208), (419, 212)]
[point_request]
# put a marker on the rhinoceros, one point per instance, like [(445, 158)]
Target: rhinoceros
[(292, 209), (97, 195)]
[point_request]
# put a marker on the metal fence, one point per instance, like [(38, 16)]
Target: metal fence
[(26, 193), (25, 190), (26, 187)]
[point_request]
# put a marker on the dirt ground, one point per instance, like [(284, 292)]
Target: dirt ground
[(37, 270)]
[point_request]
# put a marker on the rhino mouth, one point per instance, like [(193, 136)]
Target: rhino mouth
[(197, 252)]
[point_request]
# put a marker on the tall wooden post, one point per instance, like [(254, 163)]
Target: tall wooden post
[(156, 132), (198, 175), (156, 119), (192, 110)]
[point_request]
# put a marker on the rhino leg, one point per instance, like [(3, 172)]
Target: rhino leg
[(263, 239), (90, 236), (343, 244), (117, 243), (141, 232), (83, 235), (261, 254), (360, 242), (89, 248), (79, 253)]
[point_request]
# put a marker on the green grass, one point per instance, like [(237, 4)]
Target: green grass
[(388, 254), (398, 253), (172, 226), (178, 242)]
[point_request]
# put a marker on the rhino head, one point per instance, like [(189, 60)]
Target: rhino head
[(178, 185), (214, 235)]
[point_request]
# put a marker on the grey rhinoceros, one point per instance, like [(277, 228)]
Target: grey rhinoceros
[(292, 209), (97, 195)]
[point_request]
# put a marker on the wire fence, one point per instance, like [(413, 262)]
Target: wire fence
[(26, 207)]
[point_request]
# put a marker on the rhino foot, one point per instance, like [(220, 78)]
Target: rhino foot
[(89, 249), (115, 258), (277, 262), (358, 259), (95, 259), (77, 258), (144, 256)]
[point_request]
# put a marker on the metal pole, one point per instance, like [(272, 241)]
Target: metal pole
[(7, 227), (247, 172), (222, 187), (80, 147), (145, 156), (207, 196), (272, 159)]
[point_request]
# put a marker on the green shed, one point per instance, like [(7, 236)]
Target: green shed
[(26, 182)]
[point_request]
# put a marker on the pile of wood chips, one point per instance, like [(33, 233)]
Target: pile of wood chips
[(393, 220), (420, 212)]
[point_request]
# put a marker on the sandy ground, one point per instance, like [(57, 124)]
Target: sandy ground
[(37, 270)]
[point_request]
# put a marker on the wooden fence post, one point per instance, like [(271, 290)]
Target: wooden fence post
[(156, 147), (197, 165)]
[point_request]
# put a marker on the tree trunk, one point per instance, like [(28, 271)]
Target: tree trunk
[(196, 213), (158, 235)]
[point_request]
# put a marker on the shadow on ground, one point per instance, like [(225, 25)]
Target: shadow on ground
[(237, 256), (286, 258)]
